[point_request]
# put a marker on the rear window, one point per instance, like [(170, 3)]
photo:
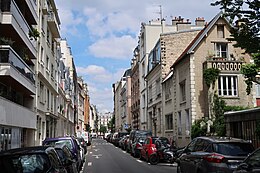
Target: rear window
[(233, 149), (67, 142), (25, 163)]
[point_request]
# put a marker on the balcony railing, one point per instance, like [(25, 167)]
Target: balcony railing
[(53, 24), (8, 55), (224, 64), (10, 6)]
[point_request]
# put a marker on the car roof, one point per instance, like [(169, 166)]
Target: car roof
[(59, 138), (219, 139), (27, 150)]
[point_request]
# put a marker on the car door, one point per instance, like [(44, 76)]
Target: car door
[(185, 158), (251, 164)]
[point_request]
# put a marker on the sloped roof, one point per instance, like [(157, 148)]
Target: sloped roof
[(203, 33)]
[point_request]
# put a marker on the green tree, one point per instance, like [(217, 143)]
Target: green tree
[(111, 124), (103, 129), (219, 126), (245, 16), (198, 128)]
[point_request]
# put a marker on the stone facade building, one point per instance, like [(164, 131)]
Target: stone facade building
[(192, 98)]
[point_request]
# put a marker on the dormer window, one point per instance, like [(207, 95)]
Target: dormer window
[(220, 29), (221, 50)]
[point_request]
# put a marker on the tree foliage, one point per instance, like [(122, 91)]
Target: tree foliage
[(210, 75), (219, 126), (244, 15)]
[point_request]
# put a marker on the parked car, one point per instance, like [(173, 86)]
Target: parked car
[(117, 136), (72, 144), (36, 159), (137, 146), (135, 134), (87, 137), (66, 158), (213, 154), (251, 164), (83, 144), (148, 148)]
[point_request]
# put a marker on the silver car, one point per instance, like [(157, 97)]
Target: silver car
[(213, 154)]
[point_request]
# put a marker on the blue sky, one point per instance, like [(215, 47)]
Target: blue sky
[(103, 33)]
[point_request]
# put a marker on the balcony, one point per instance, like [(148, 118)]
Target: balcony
[(15, 25), (12, 66), (54, 24), (16, 115), (224, 64)]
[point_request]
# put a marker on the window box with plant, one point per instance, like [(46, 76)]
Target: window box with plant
[(34, 34)]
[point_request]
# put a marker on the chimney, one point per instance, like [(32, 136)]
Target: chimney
[(200, 21), (183, 25), (176, 20)]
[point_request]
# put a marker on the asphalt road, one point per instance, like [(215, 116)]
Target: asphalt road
[(103, 157)]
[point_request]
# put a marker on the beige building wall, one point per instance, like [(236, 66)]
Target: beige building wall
[(189, 71)]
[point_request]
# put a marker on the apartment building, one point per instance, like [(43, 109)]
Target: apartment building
[(93, 118), (166, 51), (70, 87), (191, 98), (47, 70), (135, 91), (80, 106), (149, 35), (105, 118), (18, 52)]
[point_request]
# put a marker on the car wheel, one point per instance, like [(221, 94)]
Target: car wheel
[(153, 159), (178, 169)]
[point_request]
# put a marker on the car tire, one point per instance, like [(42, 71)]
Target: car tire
[(179, 169), (153, 159)]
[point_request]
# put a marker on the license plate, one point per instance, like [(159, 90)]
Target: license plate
[(233, 166)]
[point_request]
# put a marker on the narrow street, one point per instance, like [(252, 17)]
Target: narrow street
[(105, 157)]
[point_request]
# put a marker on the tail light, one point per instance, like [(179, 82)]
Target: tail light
[(138, 145), (214, 158)]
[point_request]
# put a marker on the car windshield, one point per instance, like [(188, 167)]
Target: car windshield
[(67, 142), (25, 163), (233, 148)]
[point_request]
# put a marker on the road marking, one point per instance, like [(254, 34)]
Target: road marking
[(89, 163), (139, 161), (97, 156)]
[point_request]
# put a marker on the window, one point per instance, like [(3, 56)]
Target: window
[(47, 62), (48, 99), (257, 90), (169, 122), (168, 93), (182, 91), (221, 50), (220, 30), (41, 92), (158, 88), (227, 86), (179, 124), (150, 93), (187, 122)]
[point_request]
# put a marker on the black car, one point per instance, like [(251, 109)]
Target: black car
[(36, 159), (66, 157), (251, 164), (213, 154), (83, 144)]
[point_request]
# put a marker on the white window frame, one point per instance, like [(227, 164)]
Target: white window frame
[(228, 87), (220, 51)]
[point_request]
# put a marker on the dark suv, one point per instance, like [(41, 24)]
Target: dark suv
[(213, 154), (71, 143)]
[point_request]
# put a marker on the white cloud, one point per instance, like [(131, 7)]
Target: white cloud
[(112, 26), (113, 47)]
